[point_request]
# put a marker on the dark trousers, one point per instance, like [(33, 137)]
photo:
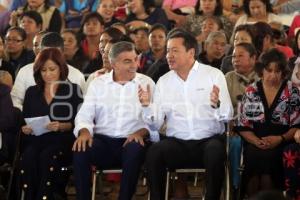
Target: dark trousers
[(173, 153), (107, 153), (40, 164)]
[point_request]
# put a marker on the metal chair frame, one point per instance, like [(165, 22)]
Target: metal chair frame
[(202, 170)]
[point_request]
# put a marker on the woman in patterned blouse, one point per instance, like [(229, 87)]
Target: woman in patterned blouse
[(268, 118)]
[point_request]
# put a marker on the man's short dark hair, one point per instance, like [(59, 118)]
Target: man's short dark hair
[(52, 39), (189, 41), (92, 15), (158, 26)]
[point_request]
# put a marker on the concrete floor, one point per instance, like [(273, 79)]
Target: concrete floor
[(110, 191)]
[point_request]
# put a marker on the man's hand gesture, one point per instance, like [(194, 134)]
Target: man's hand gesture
[(83, 139), (137, 137), (214, 97), (145, 95)]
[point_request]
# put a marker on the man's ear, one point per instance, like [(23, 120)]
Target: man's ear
[(192, 52), (113, 66), (40, 27)]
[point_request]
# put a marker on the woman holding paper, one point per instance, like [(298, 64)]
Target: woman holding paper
[(47, 145)]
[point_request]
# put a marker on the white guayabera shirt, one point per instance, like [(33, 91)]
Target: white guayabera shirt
[(186, 104), (112, 109)]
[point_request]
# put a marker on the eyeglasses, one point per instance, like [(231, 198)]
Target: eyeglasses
[(13, 40)]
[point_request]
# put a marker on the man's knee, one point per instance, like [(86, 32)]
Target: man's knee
[(80, 157), (215, 150), (134, 147)]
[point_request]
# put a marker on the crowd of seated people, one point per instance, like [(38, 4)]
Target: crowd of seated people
[(96, 80)]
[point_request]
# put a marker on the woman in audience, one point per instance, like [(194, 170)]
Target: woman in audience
[(177, 9), (209, 24), (73, 11), (257, 11), (44, 153), (214, 49), (206, 8), (269, 116), (107, 35), (72, 50), (243, 60), (91, 29), (18, 55), (242, 34), (31, 22), (51, 18), (232, 9), (106, 9), (4, 65), (121, 10), (143, 13), (264, 40)]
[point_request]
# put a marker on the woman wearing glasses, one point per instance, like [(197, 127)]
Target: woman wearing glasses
[(18, 55)]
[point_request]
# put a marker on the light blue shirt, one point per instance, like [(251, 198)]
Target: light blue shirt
[(79, 5)]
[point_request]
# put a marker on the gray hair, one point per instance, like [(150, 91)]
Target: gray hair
[(213, 35), (118, 48)]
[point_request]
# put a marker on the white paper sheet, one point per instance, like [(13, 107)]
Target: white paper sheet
[(38, 124)]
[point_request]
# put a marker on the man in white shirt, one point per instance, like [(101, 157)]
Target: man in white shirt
[(109, 129), (25, 77), (194, 101)]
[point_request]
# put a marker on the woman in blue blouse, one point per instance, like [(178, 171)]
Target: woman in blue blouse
[(54, 96)]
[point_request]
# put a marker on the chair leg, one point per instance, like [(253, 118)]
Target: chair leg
[(196, 179), (167, 185), (94, 185), (22, 195)]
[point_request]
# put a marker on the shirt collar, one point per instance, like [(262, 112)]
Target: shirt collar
[(247, 79), (196, 66), (110, 78)]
